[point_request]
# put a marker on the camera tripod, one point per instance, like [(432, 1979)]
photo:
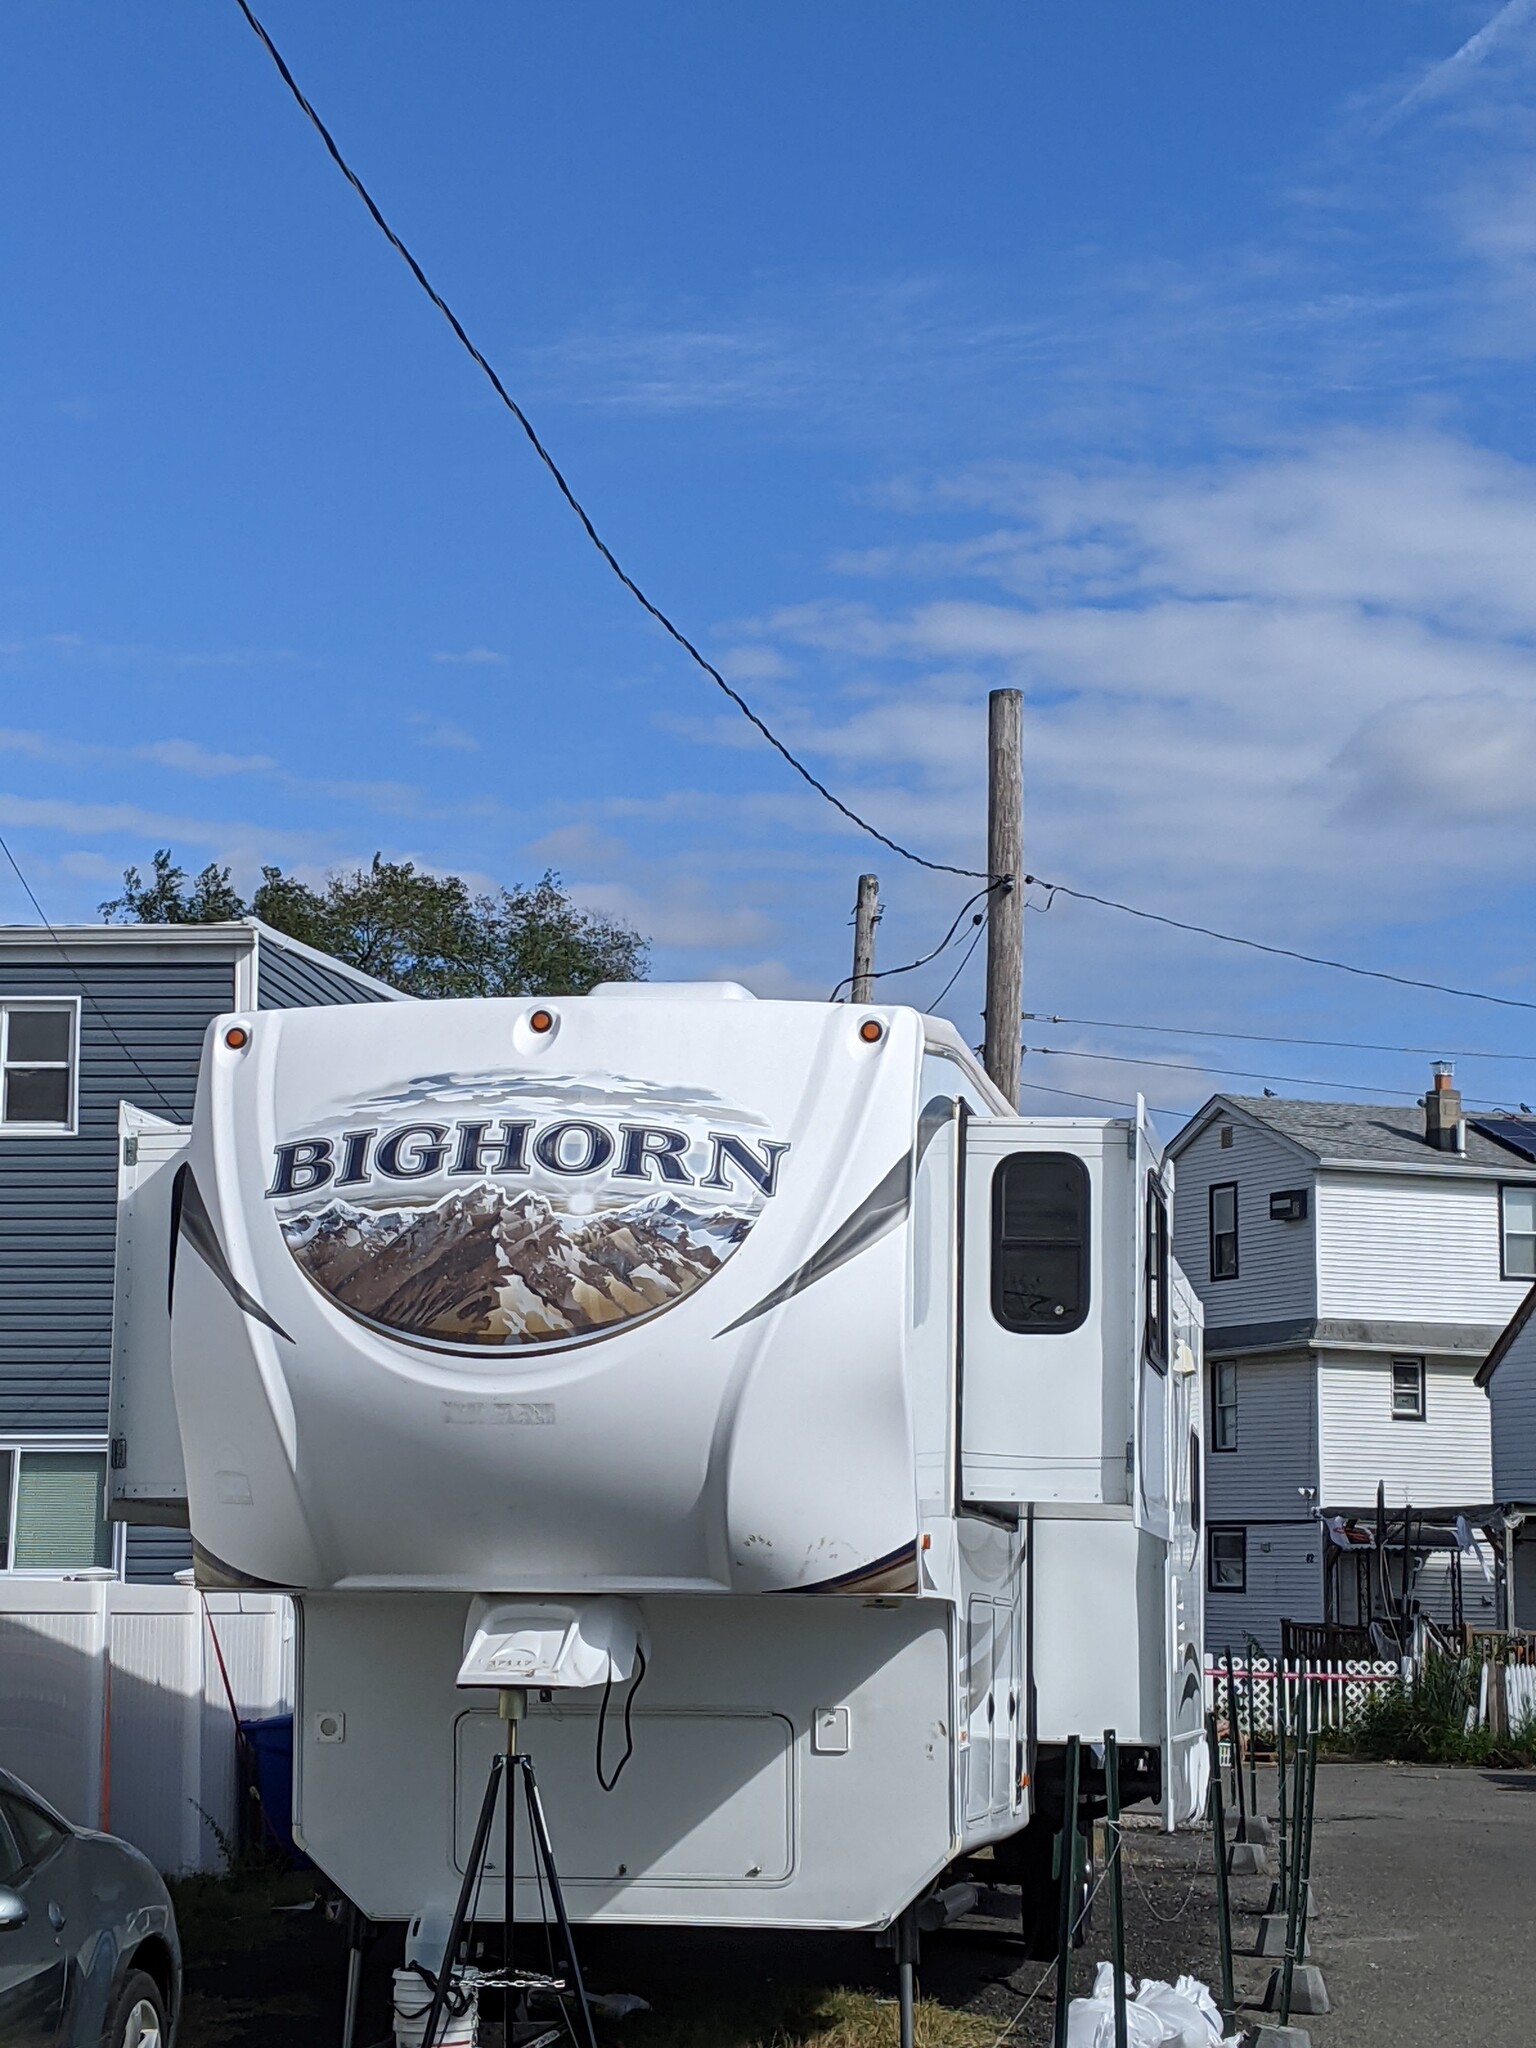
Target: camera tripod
[(510, 1768)]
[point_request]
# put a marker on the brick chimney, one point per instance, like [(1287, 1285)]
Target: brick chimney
[(1443, 1127)]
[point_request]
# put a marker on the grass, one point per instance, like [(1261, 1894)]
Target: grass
[(1425, 1722), (801, 2016)]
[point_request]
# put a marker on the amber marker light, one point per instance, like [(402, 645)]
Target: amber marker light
[(871, 1031), (237, 1038), (541, 1020)]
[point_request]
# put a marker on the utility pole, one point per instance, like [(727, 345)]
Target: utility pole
[(865, 917), (1005, 856)]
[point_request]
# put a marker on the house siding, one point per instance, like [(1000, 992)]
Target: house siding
[(1277, 1262), (155, 1556), (1443, 1459), (1276, 1440), (1511, 1397), (58, 1196), (1285, 1583), (291, 981), (1406, 1248)]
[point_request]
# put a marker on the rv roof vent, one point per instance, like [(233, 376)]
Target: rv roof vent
[(679, 991)]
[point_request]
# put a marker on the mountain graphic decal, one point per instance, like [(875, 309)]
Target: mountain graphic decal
[(482, 1213)]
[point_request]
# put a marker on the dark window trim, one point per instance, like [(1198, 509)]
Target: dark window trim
[(1504, 1272), (1212, 1531), (1156, 1276), (1221, 1187), (1084, 1182), (1421, 1367), (1218, 1448)]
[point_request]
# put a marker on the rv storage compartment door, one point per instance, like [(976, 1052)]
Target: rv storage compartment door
[(1048, 1284), (148, 1481)]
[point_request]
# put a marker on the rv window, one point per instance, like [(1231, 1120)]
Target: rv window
[(1227, 1552), (1156, 1277), (1224, 1230), (1040, 1242)]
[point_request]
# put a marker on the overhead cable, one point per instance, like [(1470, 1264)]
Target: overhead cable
[(1126, 1059), (1205, 931), (965, 957), (148, 1079), (883, 973), (1437, 1052), (564, 488)]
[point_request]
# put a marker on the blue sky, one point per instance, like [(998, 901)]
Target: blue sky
[(1170, 361)]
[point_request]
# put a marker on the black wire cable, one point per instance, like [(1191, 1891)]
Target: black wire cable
[(570, 497), (1112, 1101), (1128, 1059), (1438, 1052), (980, 923), (629, 1733), (148, 1079), (1205, 931), (881, 974)]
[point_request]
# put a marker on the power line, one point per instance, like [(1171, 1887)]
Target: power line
[(148, 1079), (1437, 1052), (565, 490), (1125, 1059), (1113, 1101), (1205, 931), (882, 973), (981, 925)]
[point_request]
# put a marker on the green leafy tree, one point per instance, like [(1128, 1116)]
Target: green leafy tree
[(427, 934), (168, 897)]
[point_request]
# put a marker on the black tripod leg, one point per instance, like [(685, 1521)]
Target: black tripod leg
[(546, 1856), (466, 1894)]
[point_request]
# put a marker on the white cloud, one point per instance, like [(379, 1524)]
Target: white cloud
[(473, 657)]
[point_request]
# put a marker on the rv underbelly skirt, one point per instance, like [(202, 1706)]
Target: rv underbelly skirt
[(793, 1765)]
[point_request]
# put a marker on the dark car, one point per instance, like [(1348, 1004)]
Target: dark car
[(88, 1951)]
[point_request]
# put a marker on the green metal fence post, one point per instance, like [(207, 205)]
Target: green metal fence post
[(1223, 1899), (1068, 1903), (1116, 1895)]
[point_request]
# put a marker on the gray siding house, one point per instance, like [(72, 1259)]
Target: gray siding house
[(1508, 1377), (1356, 1263), (91, 1016)]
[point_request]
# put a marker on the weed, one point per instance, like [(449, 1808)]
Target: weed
[(1425, 1721)]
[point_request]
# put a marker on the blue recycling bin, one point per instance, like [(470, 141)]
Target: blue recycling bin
[(269, 1754)]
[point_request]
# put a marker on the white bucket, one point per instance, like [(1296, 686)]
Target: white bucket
[(413, 2001)]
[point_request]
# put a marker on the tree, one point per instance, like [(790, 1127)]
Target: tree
[(168, 898), (427, 934)]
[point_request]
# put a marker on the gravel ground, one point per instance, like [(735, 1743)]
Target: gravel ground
[(1425, 1882)]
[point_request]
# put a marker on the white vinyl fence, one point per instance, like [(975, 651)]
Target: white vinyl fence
[(1336, 1690), (113, 1706)]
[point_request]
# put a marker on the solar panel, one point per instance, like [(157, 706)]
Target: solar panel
[(1515, 1133)]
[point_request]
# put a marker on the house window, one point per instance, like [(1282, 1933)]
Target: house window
[(1156, 1277), (1040, 1242), (38, 1040), (1519, 1233), (53, 1510), (1224, 1406), (1226, 1553), (1224, 1230), (1407, 1390)]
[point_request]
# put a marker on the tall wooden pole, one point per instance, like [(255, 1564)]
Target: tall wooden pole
[(1005, 856), (865, 917)]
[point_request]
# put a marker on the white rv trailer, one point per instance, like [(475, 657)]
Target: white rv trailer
[(761, 1341)]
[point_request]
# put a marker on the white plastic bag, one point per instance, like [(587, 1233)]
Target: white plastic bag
[(1180, 2014), (1091, 2021)]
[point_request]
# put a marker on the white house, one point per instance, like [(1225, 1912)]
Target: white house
[(1356, 1263)]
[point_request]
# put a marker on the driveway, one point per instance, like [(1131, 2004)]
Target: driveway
[(1426, 1894)]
